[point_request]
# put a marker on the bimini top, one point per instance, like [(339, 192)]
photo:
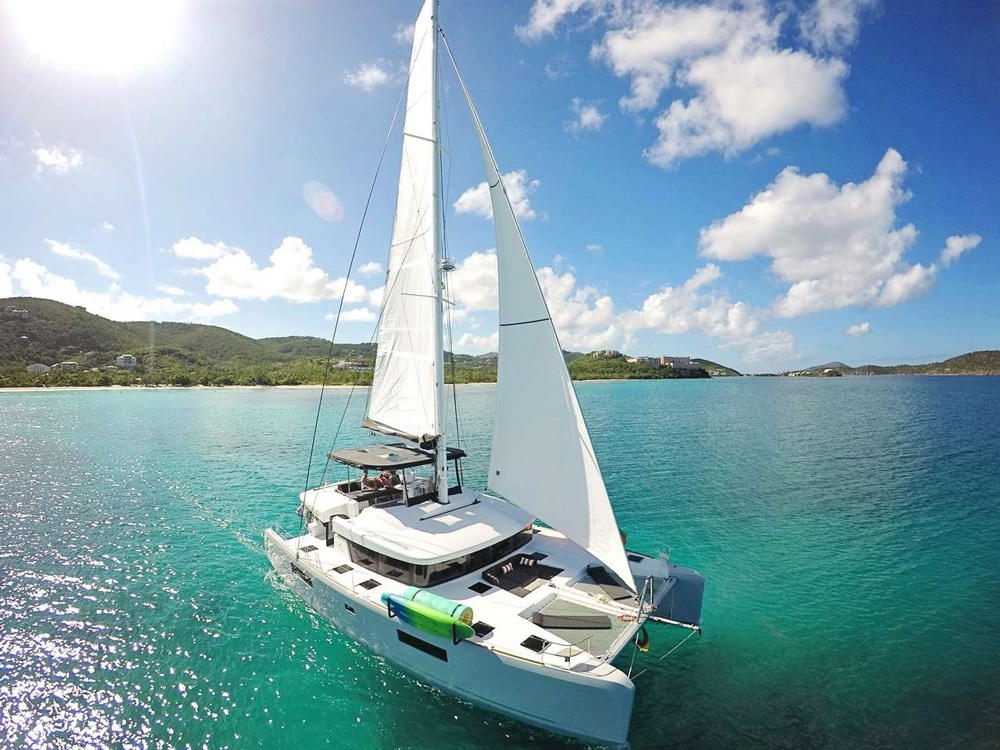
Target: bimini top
[(391, 456)]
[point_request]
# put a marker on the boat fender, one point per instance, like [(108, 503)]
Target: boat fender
[(642, 639)]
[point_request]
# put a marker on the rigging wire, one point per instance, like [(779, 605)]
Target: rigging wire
[(340, 307)]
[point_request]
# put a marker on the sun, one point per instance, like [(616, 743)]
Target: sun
[(98, 36)]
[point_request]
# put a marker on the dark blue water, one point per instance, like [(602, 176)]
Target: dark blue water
[(849, 529)]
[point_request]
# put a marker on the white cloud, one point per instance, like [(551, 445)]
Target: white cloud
[(213, 309), (545, 16), (746, 83), (404, 33), (370, 75), (587, 318), (291, 275), (56, 159), (35, 280), (595, 249), (835, 246), (107, 226), (834, 24), (6, 281), (196, 249), (587, 117), (470, 342), (955, 245), (371, 268), (357, 315), (66, 250), (861, 329), (473, 283), (476, 200), (173, 291)]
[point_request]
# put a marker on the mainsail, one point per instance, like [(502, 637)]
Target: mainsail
[(404, 399), (542, 459)]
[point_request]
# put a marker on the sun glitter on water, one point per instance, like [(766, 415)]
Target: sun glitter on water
[(98, 36)]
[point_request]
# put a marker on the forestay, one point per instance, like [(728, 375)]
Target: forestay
[(404, 393), (542, 459)]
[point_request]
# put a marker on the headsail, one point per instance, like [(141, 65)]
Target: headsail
[(404, 399), (542, 459)]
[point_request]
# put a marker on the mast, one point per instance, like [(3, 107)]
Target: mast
[(441, 448)]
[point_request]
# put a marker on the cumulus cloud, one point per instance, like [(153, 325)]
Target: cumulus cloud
[(357, 315), (861, 329), (835, 245), (834, 24), (107, 226), (369, 76), (585, 117), (35, 280), (56, 159), (6, 280), (587, 318), (955, 245), (197, 249), (746, 82), (173, 291), (476, 200), (291, 275), (404, 33), (370, 269), (470, 342), (67, 250)]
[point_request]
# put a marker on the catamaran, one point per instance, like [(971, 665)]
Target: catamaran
[(517, 598)]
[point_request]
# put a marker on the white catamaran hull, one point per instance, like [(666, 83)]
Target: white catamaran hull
[(594, 705)]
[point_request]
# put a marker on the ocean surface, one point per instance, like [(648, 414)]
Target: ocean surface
[(849, 530)]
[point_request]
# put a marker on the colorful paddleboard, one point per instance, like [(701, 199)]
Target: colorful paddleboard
[(427, 619)]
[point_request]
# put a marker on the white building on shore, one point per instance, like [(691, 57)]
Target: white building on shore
[(126, 362), (39, 369)]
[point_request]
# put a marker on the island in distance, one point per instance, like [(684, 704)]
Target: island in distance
[(48, 343)]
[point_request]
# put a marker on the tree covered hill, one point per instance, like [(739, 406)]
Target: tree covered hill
[(985, 362)]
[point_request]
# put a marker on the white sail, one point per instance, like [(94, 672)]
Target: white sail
[(404, 399), (542, 459)]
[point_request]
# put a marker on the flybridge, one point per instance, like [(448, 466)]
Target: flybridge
[(391, 456)]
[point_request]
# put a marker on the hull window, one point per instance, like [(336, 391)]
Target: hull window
[(428, 648)]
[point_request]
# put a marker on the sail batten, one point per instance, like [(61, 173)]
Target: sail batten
[(542, 459), (405, 398)]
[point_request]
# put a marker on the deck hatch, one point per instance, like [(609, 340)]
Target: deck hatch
[(345, 568), (482, 628), (421, 645), (534, 643), (371, 583), (480, 588), (309, 548)]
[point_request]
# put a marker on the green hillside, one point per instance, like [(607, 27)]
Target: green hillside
[(193, 353), (985, 362), (715, 369), (618, 368)]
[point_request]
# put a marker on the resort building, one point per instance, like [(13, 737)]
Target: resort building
[(66, 366), (606, 354), (39, 369), (679, 363), (651, 361), (126, 362)]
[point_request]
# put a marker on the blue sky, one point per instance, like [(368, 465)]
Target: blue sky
[(768, 185)]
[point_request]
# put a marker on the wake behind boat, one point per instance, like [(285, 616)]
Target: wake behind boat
[(465, 589)]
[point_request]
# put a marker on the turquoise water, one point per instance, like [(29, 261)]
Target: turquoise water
[(849, 529)]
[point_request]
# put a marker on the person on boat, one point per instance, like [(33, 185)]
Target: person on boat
[(368, 483)]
